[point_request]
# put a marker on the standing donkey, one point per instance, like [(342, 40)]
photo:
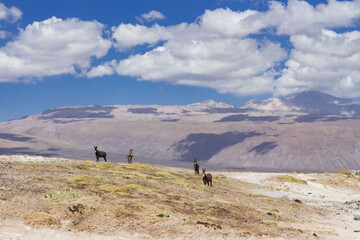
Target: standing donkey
[(99, 154), (196, 166), (130, 156), (207, 178)]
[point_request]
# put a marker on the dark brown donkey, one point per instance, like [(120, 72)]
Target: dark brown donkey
[(207, 178), (196, 166), (130, 156), (99, 154)]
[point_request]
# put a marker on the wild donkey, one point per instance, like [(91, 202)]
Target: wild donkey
[(196, 166), (99, 154), (130, 156), (207, 178)]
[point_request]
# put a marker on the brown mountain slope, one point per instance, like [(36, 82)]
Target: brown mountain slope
[(220, 138)]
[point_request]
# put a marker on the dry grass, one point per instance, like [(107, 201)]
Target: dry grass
[(37, 219), (291, 179), (108, 197), (345, 171)]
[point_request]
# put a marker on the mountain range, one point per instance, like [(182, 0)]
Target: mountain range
[(309, 131)]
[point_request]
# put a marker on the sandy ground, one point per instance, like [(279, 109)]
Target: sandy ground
[(343, 200), (337, 195)]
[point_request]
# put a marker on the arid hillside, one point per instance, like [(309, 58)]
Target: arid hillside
[(271, 135), (46, 196)]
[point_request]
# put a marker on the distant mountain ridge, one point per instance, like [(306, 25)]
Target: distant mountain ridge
[(311, 102), (308, 131)]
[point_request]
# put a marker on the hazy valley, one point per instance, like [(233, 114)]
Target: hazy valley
[(310, 131)]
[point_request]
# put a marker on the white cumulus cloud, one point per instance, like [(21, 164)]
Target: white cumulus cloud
[(151, 16), (3, 34), (128, 35), (236, 52), (328, 61), (51, 47), (11, 14), (219, 51), (239, 66), (299, 17), (102, 70)]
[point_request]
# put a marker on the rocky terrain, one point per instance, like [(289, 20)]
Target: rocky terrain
[(43, 198), (308, 131)]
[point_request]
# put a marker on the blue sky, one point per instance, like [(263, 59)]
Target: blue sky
[(61, 53)]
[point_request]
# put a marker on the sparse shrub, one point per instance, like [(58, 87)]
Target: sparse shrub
[(41, 220), (220, 176), (143, 165), (185, 183), (162, 213), (110, 188), (165, 174), (61, 196), (291, 179), (106, 165), (87, 179), (90, 163), (84, 167), (235, 223), (124, 189), (32, 162), (345, 171), (259, 195), (270, 209)]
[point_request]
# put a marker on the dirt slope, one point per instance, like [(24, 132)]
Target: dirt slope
[(44, 197)]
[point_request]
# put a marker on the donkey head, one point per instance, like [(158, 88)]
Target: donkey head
[(95, 148)]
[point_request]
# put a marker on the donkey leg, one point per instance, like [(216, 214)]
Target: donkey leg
[(105, 159)]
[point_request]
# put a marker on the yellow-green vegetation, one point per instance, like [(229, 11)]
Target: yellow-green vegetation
[(124, 189), (86, 179), (61, 196), (165, 174), (31, 162), (260, 195), (38, 219), (104, 197), (346, 172), (185, 183), (291, 179), (219, 176), (270, 209)]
